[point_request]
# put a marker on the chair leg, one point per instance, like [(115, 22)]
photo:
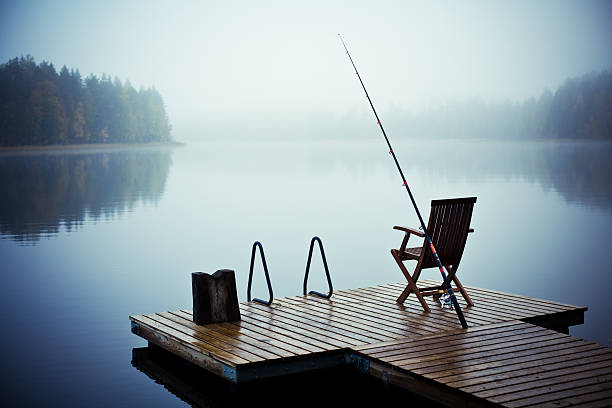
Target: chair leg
[(411, 287), (462, 290)]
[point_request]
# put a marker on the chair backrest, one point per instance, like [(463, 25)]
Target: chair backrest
[(448, 226)]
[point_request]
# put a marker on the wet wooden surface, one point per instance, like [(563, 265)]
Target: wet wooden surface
[(512, 364), (482, 362)]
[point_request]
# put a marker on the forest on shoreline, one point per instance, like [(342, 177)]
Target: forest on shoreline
[(580, 109), (39, 107)]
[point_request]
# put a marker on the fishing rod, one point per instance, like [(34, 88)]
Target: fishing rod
[(448, 287)]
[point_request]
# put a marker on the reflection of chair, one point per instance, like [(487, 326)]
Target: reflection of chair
[(449, 225)]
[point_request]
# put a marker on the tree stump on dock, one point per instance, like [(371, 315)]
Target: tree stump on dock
[(215, 299)]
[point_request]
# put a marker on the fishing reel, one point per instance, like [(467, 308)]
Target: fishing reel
[(444, 298), (446, 301)]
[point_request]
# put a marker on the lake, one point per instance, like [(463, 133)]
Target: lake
[(89, 237)]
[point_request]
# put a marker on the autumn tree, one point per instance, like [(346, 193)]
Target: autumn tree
[(38, 106)]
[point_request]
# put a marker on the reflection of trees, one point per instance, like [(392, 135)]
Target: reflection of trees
[(581, 172), (42, 192)]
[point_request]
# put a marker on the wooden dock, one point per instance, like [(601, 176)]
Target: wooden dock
[(508, 356)]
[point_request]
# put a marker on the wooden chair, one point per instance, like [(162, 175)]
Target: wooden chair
[(449, 225)]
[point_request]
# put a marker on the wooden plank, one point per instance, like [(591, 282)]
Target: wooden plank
[(369, 314), (485, 310), (494, 305), (503, 301), (428, 354), (188, 342), (243, 328), (471, 334), (473, 315), (228, 346), (490, 373), (504, 360), (274, 338), (381, 346), (491, 350), (347, 317), (517, 305), (483, 368), (332, 320), (440, 318), (521, 299), (297, 332), (539, 388), (599, 400), (357, 315), (488, 377), (493, 388), (515, 308), (260, 349), (446, 396), (299, 317), (289, 333), (529, 301), (302, 317), (194, 356), (424, 346), (406, 313), (559, 398), (511, 302), (240, 335), (279, 337), (469, 338), (316, 332)]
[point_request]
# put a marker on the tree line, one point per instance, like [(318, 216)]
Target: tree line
[(580, 109), (39, 106)]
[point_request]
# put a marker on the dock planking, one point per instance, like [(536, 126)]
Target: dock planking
[(511, 364), (504, 357)]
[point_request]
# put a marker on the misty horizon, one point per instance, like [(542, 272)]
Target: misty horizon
[(244, 62), (576, 110)]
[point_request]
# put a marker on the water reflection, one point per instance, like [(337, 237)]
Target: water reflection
[(580, 172), (42, 192), (199, 388)]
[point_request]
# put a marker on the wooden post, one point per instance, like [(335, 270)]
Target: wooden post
[(215, 299)]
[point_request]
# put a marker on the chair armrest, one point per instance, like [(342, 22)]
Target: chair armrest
[(416, 232)]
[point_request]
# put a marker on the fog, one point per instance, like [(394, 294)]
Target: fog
[(228, 65)]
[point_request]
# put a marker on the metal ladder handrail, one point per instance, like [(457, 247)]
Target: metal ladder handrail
[(265, 266), (329, 282)]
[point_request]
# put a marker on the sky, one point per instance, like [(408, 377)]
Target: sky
[(233, 61)]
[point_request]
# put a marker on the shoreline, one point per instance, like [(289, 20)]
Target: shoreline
[(86, 146)]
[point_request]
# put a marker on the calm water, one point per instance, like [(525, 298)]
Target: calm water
[(88, 238)]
